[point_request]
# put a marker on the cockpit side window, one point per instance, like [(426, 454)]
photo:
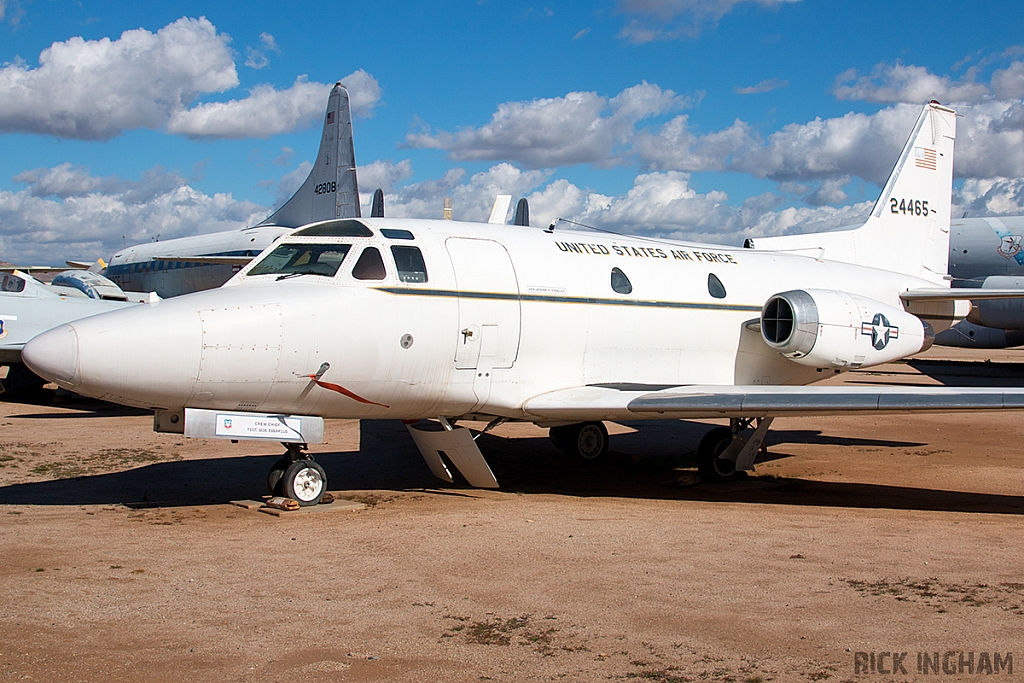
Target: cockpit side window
[(370, 265), (409, 261), (302, 259)]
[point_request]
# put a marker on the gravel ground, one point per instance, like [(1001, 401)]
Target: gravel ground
[(122, 559)]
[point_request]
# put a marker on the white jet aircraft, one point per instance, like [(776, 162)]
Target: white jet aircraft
[(440, 320)]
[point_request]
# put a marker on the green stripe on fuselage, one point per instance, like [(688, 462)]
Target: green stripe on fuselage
[(546, 298)]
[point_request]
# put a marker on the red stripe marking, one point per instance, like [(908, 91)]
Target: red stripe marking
[(345, 392)]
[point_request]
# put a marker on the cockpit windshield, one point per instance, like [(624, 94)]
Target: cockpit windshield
[(302, 259)]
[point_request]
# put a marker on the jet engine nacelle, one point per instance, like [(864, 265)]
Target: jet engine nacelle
[(830, 329), (1003, 314)]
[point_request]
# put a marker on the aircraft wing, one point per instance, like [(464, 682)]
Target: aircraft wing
[(711, 401), (959, 294)]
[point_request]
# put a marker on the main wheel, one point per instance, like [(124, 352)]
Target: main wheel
[(275, 474), (711, 467), (589, 441), (304, 481)]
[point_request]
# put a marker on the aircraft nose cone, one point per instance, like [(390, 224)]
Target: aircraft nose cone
[(53, 355)]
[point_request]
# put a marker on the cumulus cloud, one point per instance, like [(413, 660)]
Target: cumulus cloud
[(65, 213), (989, 197), (672, 19), (265, 112), (471, 200), (97, 89), (674, 147), (891, 83), (579, 128)]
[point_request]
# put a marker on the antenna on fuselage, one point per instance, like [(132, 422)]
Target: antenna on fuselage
[(447, 208), (377, 206)]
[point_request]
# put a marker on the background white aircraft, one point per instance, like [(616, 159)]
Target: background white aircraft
[(192, 264), (416, 319)]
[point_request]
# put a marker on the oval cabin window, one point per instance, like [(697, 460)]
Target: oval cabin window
[(621, 283), (715, 286)]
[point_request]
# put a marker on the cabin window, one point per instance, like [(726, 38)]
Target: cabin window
[(370, 265), (342, 228), (302, 259), (621, 283), (394, 234), (715, 286), (409, 261)]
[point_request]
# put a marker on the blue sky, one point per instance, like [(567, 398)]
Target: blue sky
[(702, 119)]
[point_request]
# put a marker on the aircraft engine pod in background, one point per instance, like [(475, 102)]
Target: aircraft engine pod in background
[(1002, 314), (830, 329)]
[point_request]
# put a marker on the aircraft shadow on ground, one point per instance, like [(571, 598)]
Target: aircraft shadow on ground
[(644, 464)]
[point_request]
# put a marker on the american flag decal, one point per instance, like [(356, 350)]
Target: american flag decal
[(330, 117), (925, 158)]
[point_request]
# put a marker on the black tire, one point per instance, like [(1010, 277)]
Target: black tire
[(562, 436), (304, 481), (711, 468), (275, 474), (589, 441)]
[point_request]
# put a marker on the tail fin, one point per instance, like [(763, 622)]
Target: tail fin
[(330, 190), (908, 229)]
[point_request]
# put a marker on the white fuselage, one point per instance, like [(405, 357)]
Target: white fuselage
[(507, 313)]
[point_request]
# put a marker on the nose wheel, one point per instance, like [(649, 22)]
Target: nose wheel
[(298, 477)]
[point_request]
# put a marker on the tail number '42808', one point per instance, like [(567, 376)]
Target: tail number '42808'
[(912, 207), (324, 188)]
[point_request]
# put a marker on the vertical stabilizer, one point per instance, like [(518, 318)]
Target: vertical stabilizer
[(908, 229), (330, 191)]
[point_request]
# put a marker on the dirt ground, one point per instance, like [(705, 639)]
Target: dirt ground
[(121, 558)]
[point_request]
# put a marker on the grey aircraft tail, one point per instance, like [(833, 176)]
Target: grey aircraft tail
[(330, 190)]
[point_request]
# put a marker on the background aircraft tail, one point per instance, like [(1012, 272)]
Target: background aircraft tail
[(330, 191), (908, 229)]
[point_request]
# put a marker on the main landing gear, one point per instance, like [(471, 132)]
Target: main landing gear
[(297, 476), (726, 454), (585, 440)]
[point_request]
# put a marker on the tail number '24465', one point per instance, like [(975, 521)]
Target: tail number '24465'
[(910, 207)]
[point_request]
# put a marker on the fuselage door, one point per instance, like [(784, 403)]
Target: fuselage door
[(488, 304)]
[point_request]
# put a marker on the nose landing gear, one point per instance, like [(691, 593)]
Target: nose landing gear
[(297, 476)]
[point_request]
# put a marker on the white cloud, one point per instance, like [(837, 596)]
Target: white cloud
[(97, 89), (855, 144), (257, 59), (906, 83), (66, 214), (471, 200), (996, 196), (265, 112), (383, 174), (671, 19), (579, 128), (764, 86), (364, 92), (1008, 84), (674, 147)]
